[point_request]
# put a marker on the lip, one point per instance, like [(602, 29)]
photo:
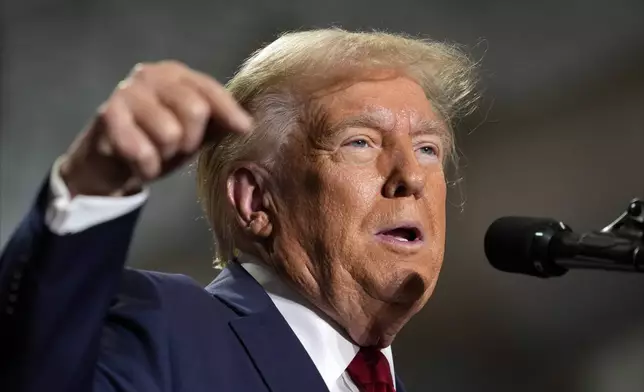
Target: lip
[(397, 244)]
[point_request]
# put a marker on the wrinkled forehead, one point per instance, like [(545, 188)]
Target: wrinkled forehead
[(397, 104), (387, 119)]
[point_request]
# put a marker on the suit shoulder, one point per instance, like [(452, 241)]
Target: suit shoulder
[(174, 300), (143, 282), (162, 296)]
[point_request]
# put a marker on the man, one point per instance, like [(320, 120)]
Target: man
[(321, 170)]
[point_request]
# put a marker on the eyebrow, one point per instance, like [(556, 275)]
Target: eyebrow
[(362, 120), (431, 127), (378, 122)]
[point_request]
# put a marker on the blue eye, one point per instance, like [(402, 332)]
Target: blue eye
[(359, 143), (428, 150)]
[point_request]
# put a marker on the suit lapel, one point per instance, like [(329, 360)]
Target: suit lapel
[(273, 347)]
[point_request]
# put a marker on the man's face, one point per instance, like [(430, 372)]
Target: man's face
[(361, 228)]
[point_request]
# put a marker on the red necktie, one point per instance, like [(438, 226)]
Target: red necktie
[(370, 371)]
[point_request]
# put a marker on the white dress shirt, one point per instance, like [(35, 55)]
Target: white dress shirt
[(330, 350), (65, 215), (325, 342)]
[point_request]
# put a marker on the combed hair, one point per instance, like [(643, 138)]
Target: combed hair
[(274, 83)]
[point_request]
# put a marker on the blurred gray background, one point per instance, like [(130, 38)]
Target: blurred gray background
[(560, 134)]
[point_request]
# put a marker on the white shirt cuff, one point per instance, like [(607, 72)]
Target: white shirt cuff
[(68, 216)]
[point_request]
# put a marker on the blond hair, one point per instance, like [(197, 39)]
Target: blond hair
[(274, 83)]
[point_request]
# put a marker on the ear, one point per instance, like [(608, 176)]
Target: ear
[(248, 194)]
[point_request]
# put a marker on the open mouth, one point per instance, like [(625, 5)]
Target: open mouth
[(402, 234)]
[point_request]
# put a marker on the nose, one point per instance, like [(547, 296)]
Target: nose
[(406, 179)]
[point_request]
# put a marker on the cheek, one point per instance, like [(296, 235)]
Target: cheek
[(435, 192), (350, 192), (346, 206), (437, 188), (436, 195), (328, 203)]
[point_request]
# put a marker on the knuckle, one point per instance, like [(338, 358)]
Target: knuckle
[(196, 108), (123, 85), (169, 133), (105, 111), (135, 94), (158, 72), (143, 153), (191, 144), (172, 64), (128, 152), (150, 168), (111, 114), (128, 90), (147, 72), (142, 70)]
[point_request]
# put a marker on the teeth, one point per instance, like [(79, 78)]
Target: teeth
[(402, 239)]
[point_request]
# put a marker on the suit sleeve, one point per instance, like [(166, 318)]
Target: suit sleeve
[(55, 292)]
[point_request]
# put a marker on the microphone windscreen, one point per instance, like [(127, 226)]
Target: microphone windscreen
[(510, 243)]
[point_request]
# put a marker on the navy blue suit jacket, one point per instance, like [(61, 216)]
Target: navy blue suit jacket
[(72, 318)]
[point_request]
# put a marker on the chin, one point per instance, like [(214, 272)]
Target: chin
[(400, 273), (409, 288), (402, 287)]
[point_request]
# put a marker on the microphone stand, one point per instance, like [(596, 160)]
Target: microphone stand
[(630, 224), (621, 242)]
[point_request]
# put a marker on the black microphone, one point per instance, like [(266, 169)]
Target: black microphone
[(548, 248)]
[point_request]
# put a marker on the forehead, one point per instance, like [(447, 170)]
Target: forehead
[(387, 101)]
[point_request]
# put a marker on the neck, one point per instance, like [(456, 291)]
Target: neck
[(359, 317)]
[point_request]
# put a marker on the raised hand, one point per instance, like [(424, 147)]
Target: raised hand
[(153, 122)]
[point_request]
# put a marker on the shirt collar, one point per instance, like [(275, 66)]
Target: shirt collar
[(329, 348)]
